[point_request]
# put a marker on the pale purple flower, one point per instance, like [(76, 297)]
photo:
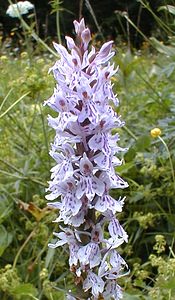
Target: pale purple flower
[(86, 37), (90, 254), (104, 54), (62, 122), (116, 230), (106, 202), (61, 102), (85, 150), (116, 260), (89, 184), (79, 26), (68, 237), (112, 265), (79, 218), (70, 43), (112, 291), (94, 282)]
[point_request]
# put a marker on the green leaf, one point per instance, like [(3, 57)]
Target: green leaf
[(130, 155), (127, 296), (169, 284), (143, 143), (25, 289), (49, 257), (5, 209), (56, 295), (5, 239), (124, 168), (169, 69), (169, 8), (167, 50), (136, 196)]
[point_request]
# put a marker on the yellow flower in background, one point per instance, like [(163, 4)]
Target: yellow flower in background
[(24, 54), (3, 58), (155, 132)]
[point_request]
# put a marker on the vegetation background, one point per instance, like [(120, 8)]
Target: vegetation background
[(105, 17), (144, 35)]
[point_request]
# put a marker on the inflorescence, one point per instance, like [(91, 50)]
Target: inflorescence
[(85, 151)]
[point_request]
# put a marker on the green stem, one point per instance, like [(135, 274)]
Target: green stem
[(33, 34), (37, 38), (125, 15), (130, 132), (45, 134), (4, 100), (22, 247), (51, 297), (11, 106), (162, 24), (170, 160), (58, 23), (27, 44), (24, 178), (10, 166), (4, 296)]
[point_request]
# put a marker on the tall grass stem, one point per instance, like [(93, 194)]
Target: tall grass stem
[(16, 102), (169, 157)]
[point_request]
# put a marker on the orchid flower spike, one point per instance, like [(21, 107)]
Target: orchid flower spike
[(86, 154)]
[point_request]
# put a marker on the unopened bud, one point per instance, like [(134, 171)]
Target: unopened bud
[(70, 42), (86, 37)]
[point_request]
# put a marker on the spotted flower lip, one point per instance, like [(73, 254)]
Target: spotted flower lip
[(86, 167), (90, 254), (95, 282), (86, 155)]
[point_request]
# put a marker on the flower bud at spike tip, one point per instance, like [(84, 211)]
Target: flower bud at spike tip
[(85, 150)]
